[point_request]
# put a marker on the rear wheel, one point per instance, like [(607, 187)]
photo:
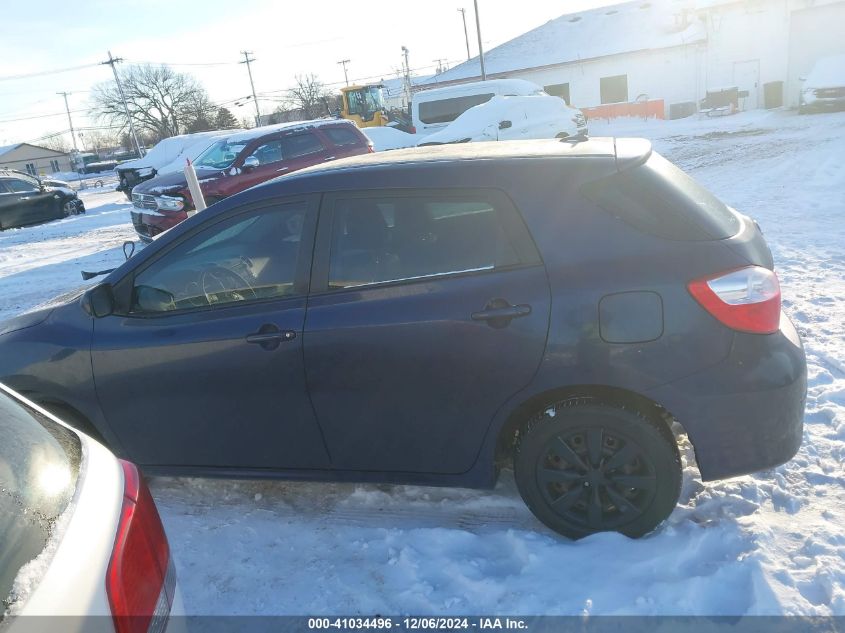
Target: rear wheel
[(583, 467)]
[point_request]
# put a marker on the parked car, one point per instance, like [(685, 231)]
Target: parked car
[(167, 156), (25, 200), (426, 315), (824, 87), (434, 109), (81, 535), (239, 161), (513, 118)]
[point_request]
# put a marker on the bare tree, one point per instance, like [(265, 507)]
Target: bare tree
[(309, 96), (161, 101), (57, 143)]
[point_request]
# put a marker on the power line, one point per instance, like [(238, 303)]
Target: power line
[(343, 63), (42, 73)]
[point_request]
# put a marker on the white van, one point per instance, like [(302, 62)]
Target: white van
[(434, 109)]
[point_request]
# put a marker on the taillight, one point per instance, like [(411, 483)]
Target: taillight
[(140, 581), (412, 130), (747, 300)]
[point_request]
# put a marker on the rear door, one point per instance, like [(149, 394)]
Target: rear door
[(345, 140), (428, 310)]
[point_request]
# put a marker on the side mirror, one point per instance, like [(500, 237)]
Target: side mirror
[(128, 248), (504, 125), (99, 301), (250, 162), (151, 299)]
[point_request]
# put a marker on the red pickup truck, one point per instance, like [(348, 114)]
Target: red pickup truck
[(240, 161)]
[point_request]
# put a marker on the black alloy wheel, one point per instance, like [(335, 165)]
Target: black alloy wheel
[(585, 467)]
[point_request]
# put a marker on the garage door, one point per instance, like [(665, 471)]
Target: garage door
[(813, 33)]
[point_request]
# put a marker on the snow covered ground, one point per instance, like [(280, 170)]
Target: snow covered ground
[(771, 543)]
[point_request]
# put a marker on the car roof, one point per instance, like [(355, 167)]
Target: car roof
[(264, 130), (606, 147)]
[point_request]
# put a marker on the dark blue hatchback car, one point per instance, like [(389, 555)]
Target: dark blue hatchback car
[(426, 316)]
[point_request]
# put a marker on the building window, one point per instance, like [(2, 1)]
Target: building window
[(559, 90), (54, 165), (614, 89), (30, 169)]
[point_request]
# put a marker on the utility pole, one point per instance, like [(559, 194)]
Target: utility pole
[(441, 67), (343, 63), (463, 13), (407, 76), (246, 61), (480, 48), (69, 120), (111, 62)]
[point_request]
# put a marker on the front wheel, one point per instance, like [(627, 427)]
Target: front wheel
[(584, 467)]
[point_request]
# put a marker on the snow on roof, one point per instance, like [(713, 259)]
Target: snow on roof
[(608, 30), (168, 150), (8, 148), (255, 132), (827, 72)]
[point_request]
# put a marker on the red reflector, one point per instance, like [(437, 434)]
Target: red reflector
[(413, 130), (135, 581), (746, 300)]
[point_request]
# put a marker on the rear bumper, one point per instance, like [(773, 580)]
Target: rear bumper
[(746, 413)]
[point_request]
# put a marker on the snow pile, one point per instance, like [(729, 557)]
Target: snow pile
[(828, 72), (532, 117), (387, 138), (172, 151)]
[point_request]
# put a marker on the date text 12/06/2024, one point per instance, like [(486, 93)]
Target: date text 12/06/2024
[(416, 624)]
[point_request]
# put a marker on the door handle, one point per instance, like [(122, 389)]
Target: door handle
[(270, 337), (283, 168), (327, 158), (508, 312), (498, 313)]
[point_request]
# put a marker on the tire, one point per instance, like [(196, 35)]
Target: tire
[(69, 208), (572, 462)]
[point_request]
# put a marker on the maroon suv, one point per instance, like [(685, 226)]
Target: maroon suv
[(240, 161)]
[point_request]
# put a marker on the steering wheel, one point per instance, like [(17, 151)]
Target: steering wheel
[(228, 282)]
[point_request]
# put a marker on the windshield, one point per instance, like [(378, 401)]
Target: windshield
[(366, 101), (220, 155), (39, 466)]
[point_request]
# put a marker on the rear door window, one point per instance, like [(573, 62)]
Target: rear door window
[(388, 238), (39, 468), (447, 110), (660, 199), (301, 145), (342, 136)]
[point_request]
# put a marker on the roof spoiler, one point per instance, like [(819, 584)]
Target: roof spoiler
[(631, 152)]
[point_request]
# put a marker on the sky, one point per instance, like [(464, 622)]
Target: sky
[(206, 38)]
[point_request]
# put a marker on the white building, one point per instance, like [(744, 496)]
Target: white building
[(34, 159), (662, 53)]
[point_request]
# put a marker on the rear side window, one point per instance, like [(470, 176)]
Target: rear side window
[(660, 199), (301, 145), (403, 238), (447, 110), (39, 467), (341, 136)]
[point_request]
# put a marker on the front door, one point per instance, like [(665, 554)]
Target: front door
[(428, 311), (25, 202), (204, 368)]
